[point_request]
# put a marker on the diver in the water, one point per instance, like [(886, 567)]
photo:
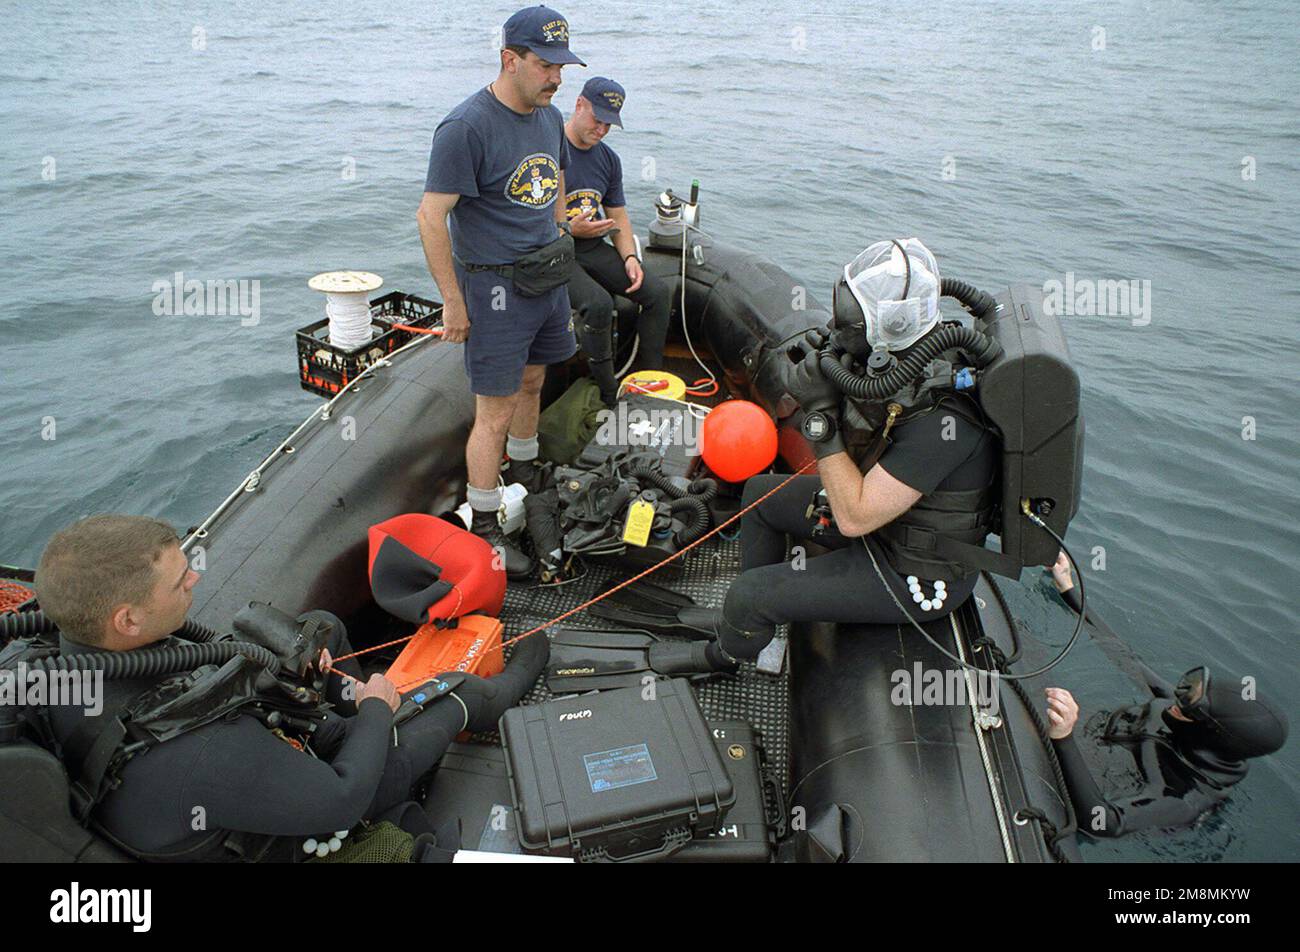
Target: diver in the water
[(1191, 742)]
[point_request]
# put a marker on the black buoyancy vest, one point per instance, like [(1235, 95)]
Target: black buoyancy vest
[(93, 751), (942, 535)]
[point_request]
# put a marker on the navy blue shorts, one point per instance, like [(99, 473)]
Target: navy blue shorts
[(509, 331)]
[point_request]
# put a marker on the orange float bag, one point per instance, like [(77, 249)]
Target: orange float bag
[(473, 646)]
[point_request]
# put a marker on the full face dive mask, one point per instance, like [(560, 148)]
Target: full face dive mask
[(891, 290)]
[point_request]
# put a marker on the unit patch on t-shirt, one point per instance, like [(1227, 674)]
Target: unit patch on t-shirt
[(582, 200), (535, 181)]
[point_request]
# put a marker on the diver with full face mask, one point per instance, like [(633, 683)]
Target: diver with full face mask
[(1191, 743), (923, 462)]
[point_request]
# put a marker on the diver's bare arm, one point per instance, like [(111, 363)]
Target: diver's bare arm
[(862, 504)]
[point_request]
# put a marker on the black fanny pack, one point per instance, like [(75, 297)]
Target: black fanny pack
[(544, 269), (538, 271)]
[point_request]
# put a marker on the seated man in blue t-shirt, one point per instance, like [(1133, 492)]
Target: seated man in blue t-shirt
[(495, 171), (596, 209)]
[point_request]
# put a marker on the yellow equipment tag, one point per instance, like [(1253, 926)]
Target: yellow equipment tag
[(640, 517)]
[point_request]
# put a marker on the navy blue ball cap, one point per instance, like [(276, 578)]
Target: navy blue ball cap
[(542, 30), (606, 98)]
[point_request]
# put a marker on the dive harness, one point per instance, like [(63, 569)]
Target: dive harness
[(942, 535), (271, 674)]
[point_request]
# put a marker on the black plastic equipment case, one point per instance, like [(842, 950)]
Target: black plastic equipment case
[(747, 833), (615, 776)]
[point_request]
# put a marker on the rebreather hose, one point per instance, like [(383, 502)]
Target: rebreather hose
[(1032, 517)]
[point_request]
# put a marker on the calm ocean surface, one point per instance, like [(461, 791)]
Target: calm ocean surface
[(1022, 141)]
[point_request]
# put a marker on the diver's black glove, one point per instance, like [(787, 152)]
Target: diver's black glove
[(805, 381), (819, 398)]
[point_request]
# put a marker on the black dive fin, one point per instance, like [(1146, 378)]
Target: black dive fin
[(651, 608), (597, 660)]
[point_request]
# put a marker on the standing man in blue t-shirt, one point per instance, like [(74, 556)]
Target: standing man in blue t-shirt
[(596, 209), (496, 170)]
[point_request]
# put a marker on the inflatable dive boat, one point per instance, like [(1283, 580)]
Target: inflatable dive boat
[(857, 775), (866, 778)]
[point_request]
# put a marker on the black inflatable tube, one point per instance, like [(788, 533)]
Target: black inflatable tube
[(26, 624), (984, 349)]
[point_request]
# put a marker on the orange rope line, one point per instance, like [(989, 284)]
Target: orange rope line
[(460, 600)]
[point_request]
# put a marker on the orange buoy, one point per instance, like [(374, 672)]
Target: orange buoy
[(738, 439)]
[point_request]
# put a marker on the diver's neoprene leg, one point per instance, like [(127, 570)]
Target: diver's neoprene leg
[(763, 529), (595, 310), (477, 705), (653, 297), (840, 587)]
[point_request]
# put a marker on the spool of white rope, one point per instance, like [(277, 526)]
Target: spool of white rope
[(349, 316), (347, 305)]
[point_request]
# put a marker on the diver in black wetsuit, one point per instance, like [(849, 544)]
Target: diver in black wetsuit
[(121, 583), (931, 470), (1191, 743)]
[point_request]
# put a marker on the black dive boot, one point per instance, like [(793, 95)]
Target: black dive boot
[(596, 338), (487, 527), (722, 634), (526, 472)]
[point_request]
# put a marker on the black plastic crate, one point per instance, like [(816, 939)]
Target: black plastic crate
[(326, 369)]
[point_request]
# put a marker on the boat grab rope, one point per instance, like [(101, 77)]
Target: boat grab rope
[(995, 788), (323, 412), (1051, 835)]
